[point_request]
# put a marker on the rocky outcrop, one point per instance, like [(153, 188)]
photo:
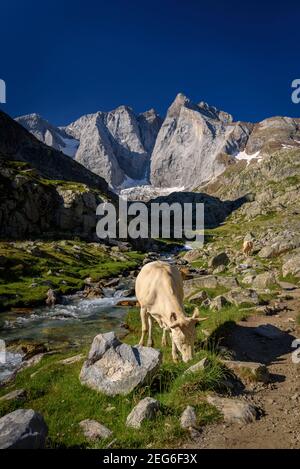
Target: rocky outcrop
[(31, 205), (115, 368), (17, 144), (22, 429)]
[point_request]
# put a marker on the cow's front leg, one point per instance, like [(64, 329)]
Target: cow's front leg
[(144, 321), (174, 351), (150, 341), (164, 338)]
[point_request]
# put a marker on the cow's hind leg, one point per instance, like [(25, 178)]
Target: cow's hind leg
[(174, 351), (144, 320), (150, 341), (164, 338)]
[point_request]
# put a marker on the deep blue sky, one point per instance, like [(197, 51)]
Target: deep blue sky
[(66, 58)]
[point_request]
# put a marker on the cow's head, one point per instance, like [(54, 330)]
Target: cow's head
[(184, 333)]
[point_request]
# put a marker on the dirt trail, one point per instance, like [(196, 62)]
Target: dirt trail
[(279, 427)]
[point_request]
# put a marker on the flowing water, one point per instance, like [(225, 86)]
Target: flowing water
[(73, 323)]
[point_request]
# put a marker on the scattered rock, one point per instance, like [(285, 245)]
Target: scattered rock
[(198, 297), (116, 368), (130, 303), (14, 395), (219, 270), (22, 429), (146, 409), (240, 296), (218, 260), (201, 365), (192, 255), (234, 410), (94, 430), (188, 418), (292, 266), (218, 302), (71, 360), (249, 371), (265, 280), (208, 281)]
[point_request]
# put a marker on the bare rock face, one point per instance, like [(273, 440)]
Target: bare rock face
[(116, 368), (194, 144), (115, 145), (189, 149), (22, 429)]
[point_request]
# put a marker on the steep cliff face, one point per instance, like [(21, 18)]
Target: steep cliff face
[(195, 144)]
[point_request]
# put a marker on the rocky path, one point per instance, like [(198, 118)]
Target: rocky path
[(279, 424)]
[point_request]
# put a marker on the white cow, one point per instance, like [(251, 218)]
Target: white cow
[(159, 291)]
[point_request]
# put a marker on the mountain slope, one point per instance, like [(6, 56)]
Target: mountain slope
[(17, 144), (115, 145), (192, 146)]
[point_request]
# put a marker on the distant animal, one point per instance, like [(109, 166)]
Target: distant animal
[(159, 291), (247, 247)]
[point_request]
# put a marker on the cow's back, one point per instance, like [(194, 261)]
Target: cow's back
[(156, 282)]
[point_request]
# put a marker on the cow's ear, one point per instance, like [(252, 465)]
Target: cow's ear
[(175, 321)]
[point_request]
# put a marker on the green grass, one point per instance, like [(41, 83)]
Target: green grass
[(54, 390), (26, 277)]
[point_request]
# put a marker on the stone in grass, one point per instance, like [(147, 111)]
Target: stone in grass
[(201, 365), (93, 430), (219, 259), (115, 368), (146, 409), (249, 371), (234, 410), (198, 297), (218, 303), (23, 429), (14, 395), (188, 418)]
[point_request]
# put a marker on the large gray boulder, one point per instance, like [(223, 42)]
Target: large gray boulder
[(23, 429), (146, 409), (115, 368)]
